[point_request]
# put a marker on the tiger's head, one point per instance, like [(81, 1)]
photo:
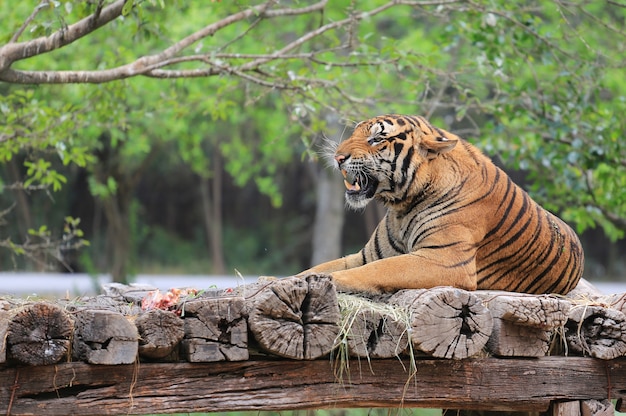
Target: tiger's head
[(389, 157)]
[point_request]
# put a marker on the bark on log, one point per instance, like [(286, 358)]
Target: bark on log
[(104, 337), (446, 322), (35, 334), (295, 317), (215, 330), (160, 332), (371, 330), (596, 331)]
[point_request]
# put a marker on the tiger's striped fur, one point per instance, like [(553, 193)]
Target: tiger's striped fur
[(454, 218)]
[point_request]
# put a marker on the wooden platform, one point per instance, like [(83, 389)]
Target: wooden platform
[(277, 384), (298, 344)]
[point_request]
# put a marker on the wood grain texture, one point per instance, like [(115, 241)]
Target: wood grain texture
[(273, 384), (215, 330), (159, 333), (446, 322), (596, 331), (295, 317), (537, 311), (104, 337), (375, 334), (36, 334)]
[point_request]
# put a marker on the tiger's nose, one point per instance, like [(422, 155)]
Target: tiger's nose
[(340, 158)]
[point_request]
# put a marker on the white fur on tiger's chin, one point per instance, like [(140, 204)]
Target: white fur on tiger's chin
[(357, 202)]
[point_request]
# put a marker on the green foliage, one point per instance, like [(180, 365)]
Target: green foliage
[(540, 85)]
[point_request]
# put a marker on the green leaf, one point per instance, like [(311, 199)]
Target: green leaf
[(128, 6)]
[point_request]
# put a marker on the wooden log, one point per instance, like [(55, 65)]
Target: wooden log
[(446, 322), (115, 304), (617, 301), (597, 408), (133, 293), (372, 330), (4, 329), (104, 337), (160, 332), (523, 324), (536, 311), (35, 334), (215, 330), (585, 290), (295, 317), (272, 384), (511, 340), (568, 408), (596, 331)]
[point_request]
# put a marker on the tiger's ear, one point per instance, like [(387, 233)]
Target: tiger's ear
[(432, 146)]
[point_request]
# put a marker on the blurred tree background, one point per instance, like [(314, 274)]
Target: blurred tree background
[(188, 137)]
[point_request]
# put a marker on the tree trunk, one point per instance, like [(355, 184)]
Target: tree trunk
[(330, 208), (118, 235), (329, 217), (116, 206), (211, 194), (24, 217)]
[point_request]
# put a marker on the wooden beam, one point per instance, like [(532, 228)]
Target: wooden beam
[(273, 384)]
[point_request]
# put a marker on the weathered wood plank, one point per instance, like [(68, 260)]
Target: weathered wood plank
[(274, 384)]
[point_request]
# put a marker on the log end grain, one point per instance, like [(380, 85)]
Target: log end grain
[(104, 337), (215, 329), (38, 334), (159, 333), (446, 322), (373, 330), (596, 331), (296, 317)]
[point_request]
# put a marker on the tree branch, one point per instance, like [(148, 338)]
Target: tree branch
[(40, 6), (150, 65), (17, 51), (12, 52)]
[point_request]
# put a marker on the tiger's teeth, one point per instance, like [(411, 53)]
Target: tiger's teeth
[(354, 186), (351, 187)]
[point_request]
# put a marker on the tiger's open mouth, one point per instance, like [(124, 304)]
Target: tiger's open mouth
[(359, 183)]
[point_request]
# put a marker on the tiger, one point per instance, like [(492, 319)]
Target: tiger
[(453, 218)]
